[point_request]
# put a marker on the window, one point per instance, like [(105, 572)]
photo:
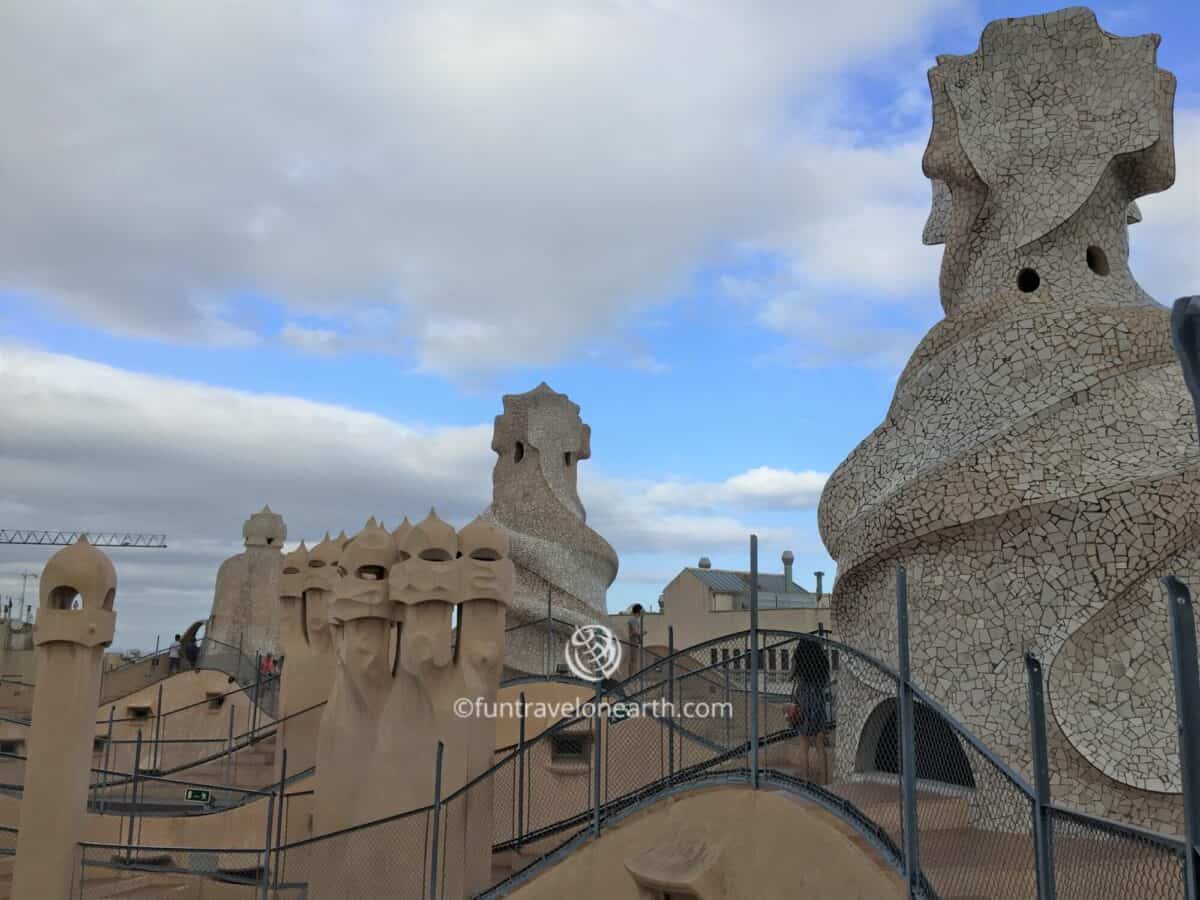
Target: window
[(783, 659), (570, 748), (215, 700), (712, 655), (9, 747), (725, 655), (770, 659), (139, 712)]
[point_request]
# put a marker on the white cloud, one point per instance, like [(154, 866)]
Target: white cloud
[(508, 180), (87, 446), (315, 341), (760, 488)]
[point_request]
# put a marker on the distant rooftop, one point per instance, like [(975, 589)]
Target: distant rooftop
[(773, 590)]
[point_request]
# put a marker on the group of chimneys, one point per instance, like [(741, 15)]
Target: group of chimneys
[(788, 558)]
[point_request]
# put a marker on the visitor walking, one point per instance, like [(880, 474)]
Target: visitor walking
[(191, 650), (807, 712)]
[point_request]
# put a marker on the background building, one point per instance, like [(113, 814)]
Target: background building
[(702, 603)]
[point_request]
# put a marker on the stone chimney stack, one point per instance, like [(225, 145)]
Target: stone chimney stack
[(820, 591), (788, 559)]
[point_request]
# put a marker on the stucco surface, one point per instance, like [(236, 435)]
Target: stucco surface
[(722, 844)]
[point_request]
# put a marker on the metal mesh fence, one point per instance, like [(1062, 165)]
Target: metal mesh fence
[(106, 869), (826, 724), (389, 858), (975, 822), (1095, 860)]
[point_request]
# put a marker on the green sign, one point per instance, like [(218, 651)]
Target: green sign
[(619, 713), (197, 795)]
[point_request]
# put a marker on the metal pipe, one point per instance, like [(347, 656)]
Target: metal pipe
[(521, 770), (266, 863), (107, 756), (137, 764), (157, 728), (1043, 833), (596, 761), (754, 661), (908, 756), (229, 747), (1187, 711), (437, 818), (728, 707), (281, 811), (671, 702)]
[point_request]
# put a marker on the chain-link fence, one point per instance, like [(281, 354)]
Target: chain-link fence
[(123, 680), (388, 858), (1093, 858), (795, 711), (108, 870)]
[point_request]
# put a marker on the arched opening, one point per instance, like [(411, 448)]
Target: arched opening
[(64, 597), (371, 573), (1097, 260), (519, 452), (1028, 281), (940, 755), (567, 459), (435, 554)]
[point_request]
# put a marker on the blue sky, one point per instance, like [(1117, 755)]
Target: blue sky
[(704, 228)]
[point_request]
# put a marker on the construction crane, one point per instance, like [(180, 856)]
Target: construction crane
[(95, 538)]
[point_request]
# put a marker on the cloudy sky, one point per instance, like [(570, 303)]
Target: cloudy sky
[(294, 253)]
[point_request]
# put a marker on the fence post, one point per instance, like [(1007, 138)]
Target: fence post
[(157, 728), (1042, 828), (549, 631), (437, 820), (521, 770), (908, 755), (1187, 710), (137, 764), (280, 812), (596, 761), (754, 661), (728, 706), (229, 747), (670, 703), (107, 756), (266, 863), (254, 702)]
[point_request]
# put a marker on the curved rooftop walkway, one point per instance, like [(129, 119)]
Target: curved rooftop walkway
[(974, 813)]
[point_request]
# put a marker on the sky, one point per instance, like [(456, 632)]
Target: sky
[(295, 253)]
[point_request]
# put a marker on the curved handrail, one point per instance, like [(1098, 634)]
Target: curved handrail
[(267, 682), (1015, 777), (723, 753)]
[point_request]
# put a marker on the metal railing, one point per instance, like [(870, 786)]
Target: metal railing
[(851, 734)]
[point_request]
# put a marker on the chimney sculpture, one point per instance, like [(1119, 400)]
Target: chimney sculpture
[(1037, 469), (75, 622)]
